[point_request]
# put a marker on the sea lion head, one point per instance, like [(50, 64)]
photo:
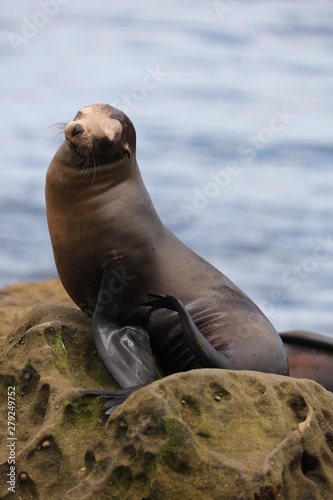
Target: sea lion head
[(101, 134)]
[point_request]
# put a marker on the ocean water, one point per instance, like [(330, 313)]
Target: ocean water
[(232, 103)]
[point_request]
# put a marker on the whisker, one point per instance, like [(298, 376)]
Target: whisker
[(86, 165), (84, 172), (89, 165), (57, 129), (94, 168)]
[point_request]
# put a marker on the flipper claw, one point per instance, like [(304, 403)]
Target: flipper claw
[(157, 301)]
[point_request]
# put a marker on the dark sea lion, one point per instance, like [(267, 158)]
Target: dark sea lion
[(112, 250), (310, 356)]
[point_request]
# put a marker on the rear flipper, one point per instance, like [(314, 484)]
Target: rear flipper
[(205, 353)]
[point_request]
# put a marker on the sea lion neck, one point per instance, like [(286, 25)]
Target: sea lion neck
[(71, 172)]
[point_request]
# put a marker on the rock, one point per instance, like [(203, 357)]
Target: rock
[(48, 359), (264, 437), (16, 301), (212, 434)]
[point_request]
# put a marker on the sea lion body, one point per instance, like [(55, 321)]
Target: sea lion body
[(112, 250)]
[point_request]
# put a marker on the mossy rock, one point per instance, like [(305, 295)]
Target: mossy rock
[(212, 434)]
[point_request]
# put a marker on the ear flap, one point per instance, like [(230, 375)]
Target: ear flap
[(127, 150), (128, 136)]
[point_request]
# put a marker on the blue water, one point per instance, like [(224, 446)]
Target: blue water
[(242, 94)]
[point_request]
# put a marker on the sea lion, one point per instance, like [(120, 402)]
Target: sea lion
[(112, 250), (310, 356)]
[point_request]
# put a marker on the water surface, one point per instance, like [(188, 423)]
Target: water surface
[(247, 92)]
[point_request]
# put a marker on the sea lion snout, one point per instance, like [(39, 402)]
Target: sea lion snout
[(72, 130), (77, 130)]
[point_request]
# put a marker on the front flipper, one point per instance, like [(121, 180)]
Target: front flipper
[(125, 352), (115, 398), (124, 349), (204, 352)]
